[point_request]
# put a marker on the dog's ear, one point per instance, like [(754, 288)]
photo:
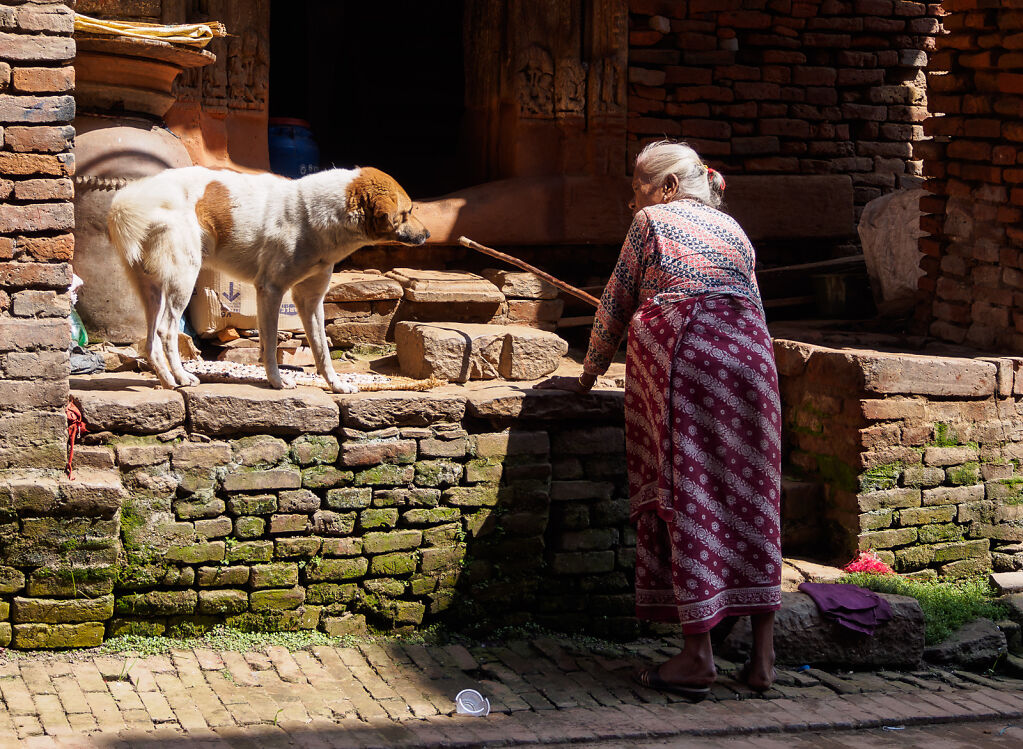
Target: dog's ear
[(380, 212)]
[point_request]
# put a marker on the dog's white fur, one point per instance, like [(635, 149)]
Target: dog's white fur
[(275, 233)]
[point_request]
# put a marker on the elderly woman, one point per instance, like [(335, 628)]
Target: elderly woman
[(702, 417)]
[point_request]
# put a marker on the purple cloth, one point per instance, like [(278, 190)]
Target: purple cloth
[(851, 606)]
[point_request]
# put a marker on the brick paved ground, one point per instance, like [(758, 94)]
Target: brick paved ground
[(387, 694)]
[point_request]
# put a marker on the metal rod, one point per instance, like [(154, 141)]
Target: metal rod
[(567, 288)]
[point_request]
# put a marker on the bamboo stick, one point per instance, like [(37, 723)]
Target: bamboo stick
[(567, 288)]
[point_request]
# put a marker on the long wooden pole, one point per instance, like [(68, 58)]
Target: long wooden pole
[(567, 288)]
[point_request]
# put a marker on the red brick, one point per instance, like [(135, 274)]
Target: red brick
[(17, 334), (55, 18), (49, 139), (37, 217), (1010, 83), (32, 163), (25, 48), (36, 109), (61, 247), (44, 80), (47, 275), (645, 38), (44, 189)]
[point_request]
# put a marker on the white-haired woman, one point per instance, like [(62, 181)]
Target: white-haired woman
[(702, 416)]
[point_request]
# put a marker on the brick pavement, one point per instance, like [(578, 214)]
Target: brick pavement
[(385, 693)]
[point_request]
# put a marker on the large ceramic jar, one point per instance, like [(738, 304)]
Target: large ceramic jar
[(123, 89)]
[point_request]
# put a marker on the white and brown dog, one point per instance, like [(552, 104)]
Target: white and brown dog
[(274, 232)]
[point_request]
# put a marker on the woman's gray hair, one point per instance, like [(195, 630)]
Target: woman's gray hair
[(657, 160)]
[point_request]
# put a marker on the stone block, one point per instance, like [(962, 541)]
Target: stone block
[(250, 551), (215, 528), (374, 452), (946, 495), (905, 374), (385, 475), (309, 449), (298, 500), (62, 611), (360, 286), (435, 286), (349, 624), (198, 553), (325, 477), (949, 456), (438, 472), (802, 635), (581, 490), (132, 409), (462, 351), (58, 636), (377, 543), (349, 498), (930, 534), (888, 499), (593, 441), (254, 481), (223, 577), (342, 547), (520, 284), (921, 476), (1007, 582), (326, 594), (157, 603), (190, 455), (11, 580), (966, 567), (276, 600), (327, 523), (926, 515), (483, 470), (481, 495), (590, 539), (887, 539), (394, 564), (222, 602), (431, 516), (378, 518), (585, 562), (260, 450), (501, 444), (288, 524), (545, 405), (277, 575), (336, 570), (956, 550), (252, 504), (444, 535), (290, 548), (224, 409), (443, 448), (385, 409)]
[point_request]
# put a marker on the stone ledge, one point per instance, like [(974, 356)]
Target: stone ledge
[(222, 409), (510, 402), (401, 407), (803, 636), (128, 403)]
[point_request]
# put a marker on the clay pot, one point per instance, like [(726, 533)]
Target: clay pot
[(123, 89)]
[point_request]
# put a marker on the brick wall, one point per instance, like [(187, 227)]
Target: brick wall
[(973, 285), (36, 109), (919, 456), (298, 510), (783, 86)]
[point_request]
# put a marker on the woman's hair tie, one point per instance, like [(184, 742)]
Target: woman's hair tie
[(711, 171)]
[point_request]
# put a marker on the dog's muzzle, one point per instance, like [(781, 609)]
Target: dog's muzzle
[(412, 235)]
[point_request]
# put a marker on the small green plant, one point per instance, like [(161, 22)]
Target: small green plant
[(947, 604), (277, 715)]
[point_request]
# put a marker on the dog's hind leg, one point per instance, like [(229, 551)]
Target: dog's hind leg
[(308, 295), (155, 303), (176, 300), (268, 307)]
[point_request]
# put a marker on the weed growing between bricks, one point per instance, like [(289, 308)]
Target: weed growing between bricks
[(947, 605)]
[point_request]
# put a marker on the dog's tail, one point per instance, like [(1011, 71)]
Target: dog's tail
[(127, 226)]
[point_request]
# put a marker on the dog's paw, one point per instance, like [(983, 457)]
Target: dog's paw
[(188, 380), (340, 386), (288, 383)]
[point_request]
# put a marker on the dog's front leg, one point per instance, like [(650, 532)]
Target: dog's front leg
[(308, 295), (268, 307)]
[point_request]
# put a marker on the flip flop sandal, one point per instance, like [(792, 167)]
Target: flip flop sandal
[(651, 679)]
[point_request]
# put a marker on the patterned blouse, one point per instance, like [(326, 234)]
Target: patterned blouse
[(684, 248)]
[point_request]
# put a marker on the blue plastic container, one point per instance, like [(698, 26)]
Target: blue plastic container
[(293, 150)]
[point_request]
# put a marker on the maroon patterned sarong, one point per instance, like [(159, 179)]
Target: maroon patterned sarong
[(703, 441)]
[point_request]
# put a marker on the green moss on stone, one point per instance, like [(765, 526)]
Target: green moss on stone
[(880, 477), (964, 475)]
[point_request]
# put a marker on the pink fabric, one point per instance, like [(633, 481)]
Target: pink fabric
[(703, 442)]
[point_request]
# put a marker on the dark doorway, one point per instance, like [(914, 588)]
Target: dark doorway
[(381, 84)]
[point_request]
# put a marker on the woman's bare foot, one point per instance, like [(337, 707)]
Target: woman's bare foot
[(691, 669), (758, 676)]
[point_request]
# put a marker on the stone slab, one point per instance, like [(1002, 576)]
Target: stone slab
[(223, 409), (525, 403), (520, 284), (468, 351), (445, 286), (127, 403), (401, 408), (360, 286), (1007, 582), (803, 637)]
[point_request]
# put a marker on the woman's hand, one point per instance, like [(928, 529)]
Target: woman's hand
[(581, 384)]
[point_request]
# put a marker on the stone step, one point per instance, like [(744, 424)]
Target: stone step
[(466, 351), (520, 284), (362, 286), (92, 493), (802, 636), (445, 286)]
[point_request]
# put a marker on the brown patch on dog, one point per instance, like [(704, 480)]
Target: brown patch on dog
[(379, 198), (213, 211)]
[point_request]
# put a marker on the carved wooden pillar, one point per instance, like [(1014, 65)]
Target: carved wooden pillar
[(545, 86)]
